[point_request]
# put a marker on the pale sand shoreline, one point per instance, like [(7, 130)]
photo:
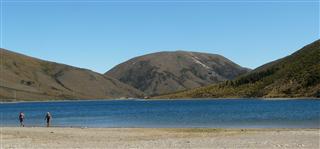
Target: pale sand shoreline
[(157, 138), (155, 99)]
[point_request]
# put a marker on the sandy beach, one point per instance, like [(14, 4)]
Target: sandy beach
[(157, 138)]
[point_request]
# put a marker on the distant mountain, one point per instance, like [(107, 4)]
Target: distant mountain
[(167, 72), (23, 77), (297, 75)]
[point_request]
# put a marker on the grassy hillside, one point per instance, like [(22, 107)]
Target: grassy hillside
[(297, 75), (27, 78)]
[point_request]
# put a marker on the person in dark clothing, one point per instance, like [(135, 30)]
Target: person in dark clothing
[(21, 119), (48, 118)]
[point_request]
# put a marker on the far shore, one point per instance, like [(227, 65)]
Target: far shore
[(157, 138), (152, 99)]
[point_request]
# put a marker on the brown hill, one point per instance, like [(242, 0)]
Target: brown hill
[(167, 72), (23, 78)]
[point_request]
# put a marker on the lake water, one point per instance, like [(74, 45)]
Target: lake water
[(167, 114)]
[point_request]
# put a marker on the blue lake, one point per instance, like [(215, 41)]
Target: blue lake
[(222, 113)]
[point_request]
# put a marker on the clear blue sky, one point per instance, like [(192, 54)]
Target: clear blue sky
[(98, 35)]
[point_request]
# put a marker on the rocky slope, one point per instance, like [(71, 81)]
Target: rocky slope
[(23, 78), (167, 72), (297, 75)]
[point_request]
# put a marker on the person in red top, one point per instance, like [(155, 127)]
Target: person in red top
[(21, 119)]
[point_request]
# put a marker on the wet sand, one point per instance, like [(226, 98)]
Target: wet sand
[(157, 138)]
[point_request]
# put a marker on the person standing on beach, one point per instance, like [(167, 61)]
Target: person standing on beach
[(21, 119), (48, 118)]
